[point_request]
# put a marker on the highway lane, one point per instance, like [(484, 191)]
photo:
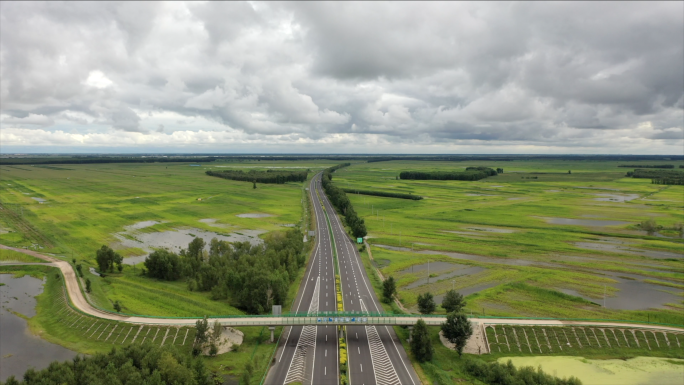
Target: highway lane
[(376, 355), (309, 354)]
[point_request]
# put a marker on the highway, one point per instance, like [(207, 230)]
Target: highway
[(375, 354), (309, 354)]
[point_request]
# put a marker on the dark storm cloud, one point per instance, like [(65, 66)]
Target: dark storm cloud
[(528, 74)]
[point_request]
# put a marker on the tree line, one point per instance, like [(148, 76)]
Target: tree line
[(104, 159), (340, 200), (268, 176), (471, 173), (383, 194), (668, 177), (251, 277), (647, 166), (132, 364)]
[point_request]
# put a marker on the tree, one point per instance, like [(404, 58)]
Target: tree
[(213, 350), (389, 288), (421, 346), (117, 306), (106, 258), (569, 172), (254, 185), (426, 303), (202, 327), (163, 264), (457, 329), (453, 301), (79, 268), (88, 288)]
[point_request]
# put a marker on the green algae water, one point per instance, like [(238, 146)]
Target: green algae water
[(635, 371)]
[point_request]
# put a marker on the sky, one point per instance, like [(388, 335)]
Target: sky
[(366, 77)]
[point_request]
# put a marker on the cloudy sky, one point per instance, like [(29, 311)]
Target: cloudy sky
[(574, 77)]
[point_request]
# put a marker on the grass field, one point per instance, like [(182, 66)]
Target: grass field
[(86, 206), (515, 261), (15, 256)]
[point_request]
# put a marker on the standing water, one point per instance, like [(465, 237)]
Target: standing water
[(21, 350)]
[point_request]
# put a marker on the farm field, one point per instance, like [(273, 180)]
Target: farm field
[(546, 247), (70, 211)]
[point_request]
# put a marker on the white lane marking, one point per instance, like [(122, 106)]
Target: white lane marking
[(307, 341)]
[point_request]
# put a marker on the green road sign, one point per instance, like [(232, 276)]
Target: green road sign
[(359, 240)]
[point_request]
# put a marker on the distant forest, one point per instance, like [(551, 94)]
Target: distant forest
[(268, 176), (471, 173), (647, 166), (9, 159)]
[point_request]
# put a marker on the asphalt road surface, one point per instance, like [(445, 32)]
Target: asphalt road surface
[(309, 354)]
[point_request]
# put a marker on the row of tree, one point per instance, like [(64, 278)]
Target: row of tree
[(647, 166), (668, 181), (268, 176), (471, 173), (340, 200), (652, 174), (383, 194), (252, 277), (660, 176), (133, 364)]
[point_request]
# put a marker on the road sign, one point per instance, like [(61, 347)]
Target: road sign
[(359, 240)]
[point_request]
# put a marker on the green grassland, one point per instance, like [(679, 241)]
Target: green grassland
[(502, 222), (15, 256), (86, 205)]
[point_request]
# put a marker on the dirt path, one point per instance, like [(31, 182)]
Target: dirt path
[(79, 302)]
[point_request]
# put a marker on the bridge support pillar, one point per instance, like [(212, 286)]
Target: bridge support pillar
[(272, 329), (410, 328)]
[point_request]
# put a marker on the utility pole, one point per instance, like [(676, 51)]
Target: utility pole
[(453, 283), (604, 295), (428, 274)]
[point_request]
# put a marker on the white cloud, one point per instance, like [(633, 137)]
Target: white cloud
[(97, 79), (430, 77)]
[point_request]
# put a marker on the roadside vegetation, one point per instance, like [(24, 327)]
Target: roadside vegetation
[(339, 199)]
